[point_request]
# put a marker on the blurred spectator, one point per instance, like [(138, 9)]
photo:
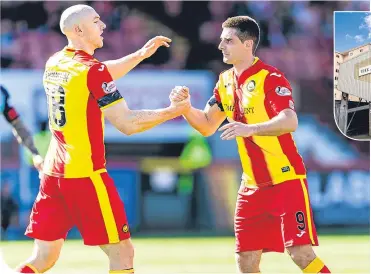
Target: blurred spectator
[(7, 42), (289, 27), (9, 208), (53, 9), (173, 8), (296, 36), (108, 13)]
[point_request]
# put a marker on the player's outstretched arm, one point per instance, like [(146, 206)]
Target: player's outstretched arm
[(285, 122), (204, 121), (104, 90), (134, 121), (118, 68)]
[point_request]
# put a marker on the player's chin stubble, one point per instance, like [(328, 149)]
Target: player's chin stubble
[(227, 61), (99, 45)]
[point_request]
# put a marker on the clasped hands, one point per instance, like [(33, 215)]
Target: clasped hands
[(180, 97)]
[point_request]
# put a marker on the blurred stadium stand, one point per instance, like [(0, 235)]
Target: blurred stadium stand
[(297, 38)]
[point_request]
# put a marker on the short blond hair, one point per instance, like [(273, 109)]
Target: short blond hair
[(71, 17)]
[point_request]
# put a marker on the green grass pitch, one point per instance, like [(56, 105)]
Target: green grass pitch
[(343, 254)]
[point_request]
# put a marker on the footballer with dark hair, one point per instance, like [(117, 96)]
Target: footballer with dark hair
[(273, 211)]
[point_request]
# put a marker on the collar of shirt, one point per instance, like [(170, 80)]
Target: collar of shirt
[(78, 51), (254, 68)]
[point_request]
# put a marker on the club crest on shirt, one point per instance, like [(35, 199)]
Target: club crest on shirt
[(250, 86), (125, 228), (291, 105), (109, 87), (283, 91)]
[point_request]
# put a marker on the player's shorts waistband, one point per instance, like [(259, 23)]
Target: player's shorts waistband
[(246, 181), (74, 176)]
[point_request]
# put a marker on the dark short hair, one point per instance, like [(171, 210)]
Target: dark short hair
[(247, 28)]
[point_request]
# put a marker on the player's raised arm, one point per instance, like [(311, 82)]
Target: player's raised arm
[(104, 90), (205, 121), (122, 66)]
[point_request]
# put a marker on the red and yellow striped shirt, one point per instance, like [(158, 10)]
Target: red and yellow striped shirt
[(258, 95), (77, 88)]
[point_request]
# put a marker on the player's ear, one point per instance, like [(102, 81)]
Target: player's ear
[(78, 30), (248, 43)]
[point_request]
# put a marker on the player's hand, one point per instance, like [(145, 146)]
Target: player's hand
[(179, 93), (237, 129), (181, 107), (152, 45), (38, 162), (180, 99)]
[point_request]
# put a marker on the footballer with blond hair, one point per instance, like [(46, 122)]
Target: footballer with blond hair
[(75, 188)]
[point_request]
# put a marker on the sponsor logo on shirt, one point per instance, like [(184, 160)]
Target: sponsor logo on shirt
[(250, 110), (125, 228), (109, 87), (250, 86), (57, 76)]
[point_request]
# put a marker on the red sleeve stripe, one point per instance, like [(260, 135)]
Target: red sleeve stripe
[(290, 150), (217, 95), (58, 167), (288, 146), (95, 133)]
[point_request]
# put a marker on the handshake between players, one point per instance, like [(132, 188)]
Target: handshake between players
[(180, 98)]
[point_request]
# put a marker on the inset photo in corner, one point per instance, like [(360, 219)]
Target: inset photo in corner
[(352, 73)]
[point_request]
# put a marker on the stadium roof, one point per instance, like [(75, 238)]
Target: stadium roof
[(347, 51)]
